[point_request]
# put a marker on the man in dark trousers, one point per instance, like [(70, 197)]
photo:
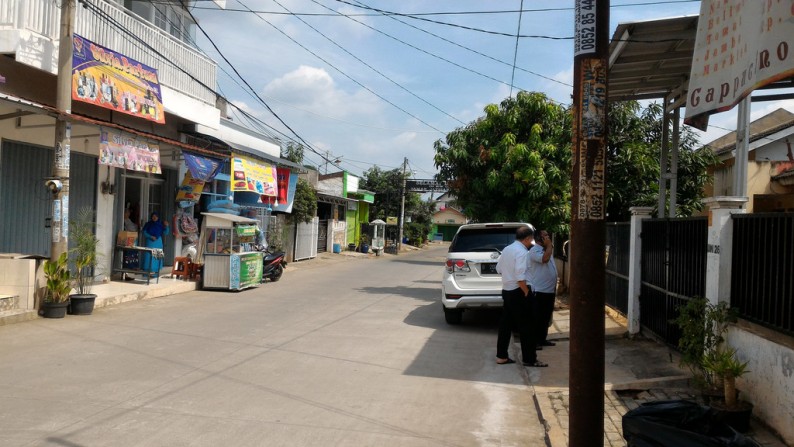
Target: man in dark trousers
[(542, 277), (517, 310)]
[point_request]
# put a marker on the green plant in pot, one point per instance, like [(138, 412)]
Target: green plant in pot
[(59, 285), (703, 326), (723, 363), (85, 256)]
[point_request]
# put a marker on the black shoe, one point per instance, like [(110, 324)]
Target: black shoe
[(548, 343), (538, 348)]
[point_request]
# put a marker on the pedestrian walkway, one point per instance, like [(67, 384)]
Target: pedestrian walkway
[(636, 371)]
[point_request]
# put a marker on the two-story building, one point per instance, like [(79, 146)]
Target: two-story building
[(142, 99)]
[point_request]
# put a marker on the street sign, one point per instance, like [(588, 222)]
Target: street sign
[(424, 185)]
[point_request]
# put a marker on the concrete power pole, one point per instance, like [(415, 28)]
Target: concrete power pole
[(586, 379), (402, 208), (59, 183)]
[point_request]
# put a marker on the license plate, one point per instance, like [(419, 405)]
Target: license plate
[(488, 269)]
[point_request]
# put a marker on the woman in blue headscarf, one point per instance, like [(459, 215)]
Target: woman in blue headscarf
[(153, 232)]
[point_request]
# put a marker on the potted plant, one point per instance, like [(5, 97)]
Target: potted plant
[(58, 287), (703, 326), (723, 363), (85, 257)]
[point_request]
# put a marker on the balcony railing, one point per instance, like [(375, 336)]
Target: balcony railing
[(178, 65)]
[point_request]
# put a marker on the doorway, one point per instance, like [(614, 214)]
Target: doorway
[(142, 195)]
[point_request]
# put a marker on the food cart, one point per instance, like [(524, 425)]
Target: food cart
[(226, 249)]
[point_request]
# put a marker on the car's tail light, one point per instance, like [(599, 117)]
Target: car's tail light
[(457, 265)]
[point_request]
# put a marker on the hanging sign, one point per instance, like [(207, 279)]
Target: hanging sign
[(107, 79), (128, 152), (190, 189), (584, 34), (202, 168), (253, 176), (740, 46)]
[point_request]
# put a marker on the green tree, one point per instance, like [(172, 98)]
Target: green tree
[(387, 186), (633, 154), (293, 152), (513, 164), (304, 207)]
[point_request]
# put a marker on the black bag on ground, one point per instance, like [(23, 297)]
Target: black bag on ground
[(675, 423)]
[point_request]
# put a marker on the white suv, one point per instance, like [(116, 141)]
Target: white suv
[(470, 279)]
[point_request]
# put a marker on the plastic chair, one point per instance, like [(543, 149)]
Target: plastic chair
[(181, 267)]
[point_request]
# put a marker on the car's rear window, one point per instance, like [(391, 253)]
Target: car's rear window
[(483, 239)]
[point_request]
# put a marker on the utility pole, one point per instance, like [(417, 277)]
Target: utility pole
[(402, 207), (586, 379), (59, 183)]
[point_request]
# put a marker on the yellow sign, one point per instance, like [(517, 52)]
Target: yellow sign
[(191, 189), (391, 221), (253, 176)]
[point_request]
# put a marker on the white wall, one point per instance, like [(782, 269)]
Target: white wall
[(769, 385)]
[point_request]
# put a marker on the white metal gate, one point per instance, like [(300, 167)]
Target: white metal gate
[(306, 239)]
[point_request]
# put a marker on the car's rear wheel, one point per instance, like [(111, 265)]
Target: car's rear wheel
[(453, 316)]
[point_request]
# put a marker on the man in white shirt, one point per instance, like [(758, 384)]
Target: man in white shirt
[(517, 310), (542, 277)]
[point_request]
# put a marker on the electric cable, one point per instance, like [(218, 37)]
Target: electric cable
[(452, 43), (515, 53), (370, 66), (344, 74)]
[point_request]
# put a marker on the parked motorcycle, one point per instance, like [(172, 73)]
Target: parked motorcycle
[(273, 264)]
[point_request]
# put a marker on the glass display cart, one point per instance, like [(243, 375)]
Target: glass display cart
[(226, 249)]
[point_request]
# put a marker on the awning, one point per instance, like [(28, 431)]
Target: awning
[(336, 200), (227, 148), (74, 118)]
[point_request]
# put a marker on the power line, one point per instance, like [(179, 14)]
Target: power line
[(423, 51), (371, 67), (240, 76), (345, 74), (455, 44), (419, 14), (515, 53)]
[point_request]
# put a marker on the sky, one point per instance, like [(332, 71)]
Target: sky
[(366, 89)]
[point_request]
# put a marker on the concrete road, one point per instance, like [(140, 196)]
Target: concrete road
[(342, 352)]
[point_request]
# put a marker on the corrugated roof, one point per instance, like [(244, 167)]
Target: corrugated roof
[(651, 59), (766, 125)]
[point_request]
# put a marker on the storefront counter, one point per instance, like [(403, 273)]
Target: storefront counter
[(129, 260)]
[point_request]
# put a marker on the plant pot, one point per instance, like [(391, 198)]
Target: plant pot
[(81, 304), (738, 418), (53, 310), (364, 248)]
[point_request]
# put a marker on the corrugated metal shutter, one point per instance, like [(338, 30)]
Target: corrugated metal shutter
[(82, 186), (24, 199), (25, 202)]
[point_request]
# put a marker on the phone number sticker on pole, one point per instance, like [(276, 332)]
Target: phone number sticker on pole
[(585, 28)]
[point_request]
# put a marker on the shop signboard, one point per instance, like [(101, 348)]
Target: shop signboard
[(245, 270), (125, 151), (740, 46), (105, 78), (253, 176), (190, 189)]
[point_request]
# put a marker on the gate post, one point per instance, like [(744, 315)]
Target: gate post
[(638, 213), (720, 246)]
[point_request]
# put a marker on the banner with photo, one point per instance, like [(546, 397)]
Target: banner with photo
[(107, 79), (253, 176), (740, 46), (202, 168), (190, 189), (128, 152)]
